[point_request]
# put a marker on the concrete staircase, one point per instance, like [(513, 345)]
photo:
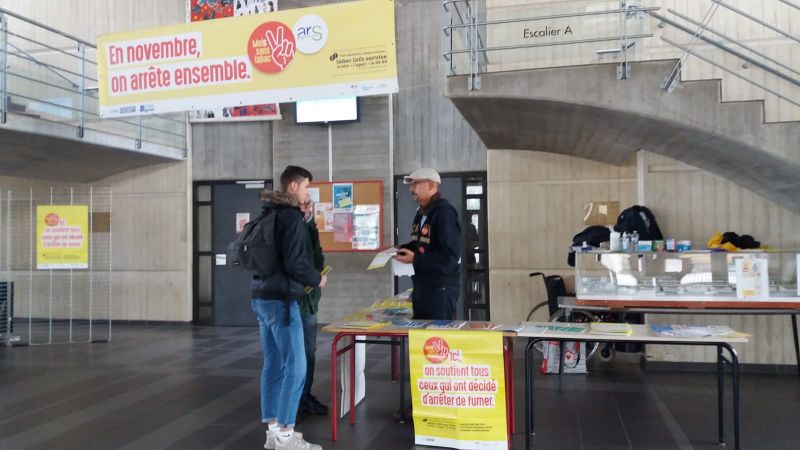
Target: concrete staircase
[(585, 111)]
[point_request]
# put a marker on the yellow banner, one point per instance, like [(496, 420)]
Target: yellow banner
[(337, 50), (62, 237), (458, 389)]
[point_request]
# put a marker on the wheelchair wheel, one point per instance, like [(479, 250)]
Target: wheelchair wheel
[(607, 353)]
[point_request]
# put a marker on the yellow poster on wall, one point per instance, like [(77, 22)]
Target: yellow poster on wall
[(329, 51), (458, 389), (62, 237)]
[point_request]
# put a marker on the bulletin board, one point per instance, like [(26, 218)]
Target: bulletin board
[(349, 223)]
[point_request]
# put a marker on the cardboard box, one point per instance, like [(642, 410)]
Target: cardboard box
[(600, 212)]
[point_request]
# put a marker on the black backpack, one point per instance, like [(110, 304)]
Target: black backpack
[(255, 248), (640, 219), (592, 235)]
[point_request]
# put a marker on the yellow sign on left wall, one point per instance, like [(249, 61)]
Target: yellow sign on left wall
[(62, 237)]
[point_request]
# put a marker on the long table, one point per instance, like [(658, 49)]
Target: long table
[(397, 338), (657, 306), (641, 334)]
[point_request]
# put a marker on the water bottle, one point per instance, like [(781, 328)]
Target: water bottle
[(614, 241), (626, 242), (635, 241)]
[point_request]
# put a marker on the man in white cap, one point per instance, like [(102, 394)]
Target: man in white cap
[(434, 250)]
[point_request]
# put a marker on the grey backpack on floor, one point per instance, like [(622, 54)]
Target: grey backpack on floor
[(255, 248)]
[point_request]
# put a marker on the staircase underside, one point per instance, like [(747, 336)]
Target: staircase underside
[(33, 148), (591, 117)]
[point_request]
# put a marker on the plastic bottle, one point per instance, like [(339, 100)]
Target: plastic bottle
[(635, 241), (626, 242), (614, 241)]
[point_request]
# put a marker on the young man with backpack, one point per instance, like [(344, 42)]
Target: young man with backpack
[(276, 293)]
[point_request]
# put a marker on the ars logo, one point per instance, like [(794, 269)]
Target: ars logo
[(311, 33)]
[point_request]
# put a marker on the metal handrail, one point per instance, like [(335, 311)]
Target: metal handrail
[(112, 119), (56, 49), (669, 82), (78, 86), (757, 20), (46, 66), (547, 44), (727, 49), (32, 59), (46, 27), (734, 41), (732, 72), (558, 16)]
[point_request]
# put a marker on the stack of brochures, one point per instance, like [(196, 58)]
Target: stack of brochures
[(566, 328), (483, 325), (693, 331), (403, 323), (608, 328), (446, 324), (362, 325)]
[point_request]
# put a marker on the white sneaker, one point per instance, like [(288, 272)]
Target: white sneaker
[(271, 441), (296, 442)]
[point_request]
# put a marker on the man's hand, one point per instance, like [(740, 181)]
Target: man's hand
[(323, 281), (405, 256)]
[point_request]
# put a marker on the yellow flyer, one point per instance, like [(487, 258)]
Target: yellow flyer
[(458, 389), (62, 237)]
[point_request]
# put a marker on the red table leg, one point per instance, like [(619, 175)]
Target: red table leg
[(353, 381), (334, 410)]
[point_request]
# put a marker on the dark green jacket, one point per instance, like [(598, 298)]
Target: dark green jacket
[(310, 303)]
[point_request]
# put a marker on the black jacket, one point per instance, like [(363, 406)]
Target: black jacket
[(436, 245), (294, 271)]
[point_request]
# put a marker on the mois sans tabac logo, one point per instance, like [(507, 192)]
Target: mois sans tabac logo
[(436, 350), (271, 47)]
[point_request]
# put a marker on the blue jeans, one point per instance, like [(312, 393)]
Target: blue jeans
[(310, 342), (284, 370)]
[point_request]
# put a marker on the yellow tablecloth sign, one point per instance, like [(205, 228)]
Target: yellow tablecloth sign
[(458, 389)]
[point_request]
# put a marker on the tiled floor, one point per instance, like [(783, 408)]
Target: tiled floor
[(180, 387)]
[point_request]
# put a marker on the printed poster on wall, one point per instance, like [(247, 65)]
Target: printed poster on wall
[(366, 227), (343, 195), (197, 10), (458, 389), (342, 226), (241, 221), (62, 237), (323, 215), (329, 51)]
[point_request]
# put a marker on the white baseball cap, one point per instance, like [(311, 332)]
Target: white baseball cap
[(424, 174)]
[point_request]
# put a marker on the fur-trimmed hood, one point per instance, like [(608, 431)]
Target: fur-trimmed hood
[(280, 198)]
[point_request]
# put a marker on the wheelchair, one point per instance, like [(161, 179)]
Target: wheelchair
[(555, 287)]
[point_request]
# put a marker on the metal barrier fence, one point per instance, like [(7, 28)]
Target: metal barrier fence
[(44, 299)]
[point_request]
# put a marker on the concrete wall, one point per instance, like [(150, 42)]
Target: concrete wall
[(151, 219), (535, 207)]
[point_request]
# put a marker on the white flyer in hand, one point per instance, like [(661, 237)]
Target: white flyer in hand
[(402, 269), (381, 258)]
